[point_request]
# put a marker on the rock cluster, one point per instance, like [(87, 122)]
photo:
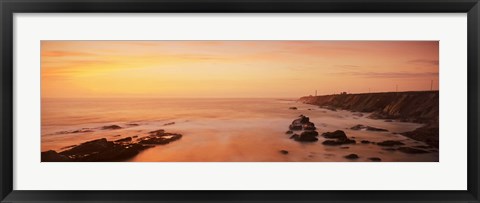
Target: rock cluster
[(104, 150), (308, 130), (337, 137)]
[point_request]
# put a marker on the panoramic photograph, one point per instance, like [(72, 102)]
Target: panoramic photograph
[(239, 101)]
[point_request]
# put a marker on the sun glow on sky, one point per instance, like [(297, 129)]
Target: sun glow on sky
[(234, 69)]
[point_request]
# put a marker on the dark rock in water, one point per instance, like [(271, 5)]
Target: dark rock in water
[(309, 126), (302, 120), (410, 150), (422, 147), (369, 128), (428, 134), (389, 149), (133, 124), (102, 150), (374, 159), (111, 127), (117, 135), (135, 136), (53, 156), (309, 133), (302, 123), (340, 141), (365, 142), (289, 132), (344, 147), (164, 138), (390, 143), (127, 139), (306, 136), (310, 109), (293, 108), (358, 114), (351, 156), (335, 135), (171, 123), (294, 136), (283, 151), (157, 132), (295, 127)]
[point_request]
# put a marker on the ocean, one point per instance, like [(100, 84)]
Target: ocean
[(219, 130)]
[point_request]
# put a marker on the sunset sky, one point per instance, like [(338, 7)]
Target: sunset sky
[(281, 69)]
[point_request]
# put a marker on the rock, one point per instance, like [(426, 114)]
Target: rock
[(283, 151), (171, 123), (302, 120), (369, 128), (389, 120), (157, 132), (294, 136), (344, 147), (335, 135), (289, 132), (365, 142), (111, 127), (389, 149), (410, 150), (102, 150), (390, 143), (135, 136), (164, 138), (340, 141), (293, 108), (422, 147), (306, 136), (351, 156), (376, 159), (127, 139), (133, 124), (53, 156), (117, 135), (309, 133), (295, 127), (309, 126)]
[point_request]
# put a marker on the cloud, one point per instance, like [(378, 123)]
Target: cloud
[(424, 62), (64, 53)]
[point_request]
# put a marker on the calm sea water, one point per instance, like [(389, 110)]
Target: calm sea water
[(218, 129)]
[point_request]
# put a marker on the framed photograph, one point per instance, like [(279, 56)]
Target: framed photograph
[(225, 101)]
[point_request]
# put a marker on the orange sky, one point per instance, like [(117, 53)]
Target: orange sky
[(282, 69)]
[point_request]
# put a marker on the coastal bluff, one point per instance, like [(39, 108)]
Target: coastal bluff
[(413, 106)]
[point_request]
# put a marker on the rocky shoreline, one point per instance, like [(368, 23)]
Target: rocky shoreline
[(304, 130), (106, 151), (418, 107)]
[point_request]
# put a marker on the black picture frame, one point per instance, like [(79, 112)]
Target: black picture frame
[(10, 7)]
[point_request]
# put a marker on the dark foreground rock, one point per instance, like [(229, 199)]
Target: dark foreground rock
[(390, 143), (369, 128), (337, 137), (303, 124), (283, 151), (335, 134), (351, 156), (427, 134), (104, 150), (376, 159), (111, 127), (410, 150)]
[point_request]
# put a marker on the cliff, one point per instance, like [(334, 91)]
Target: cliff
[(419, 107)]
